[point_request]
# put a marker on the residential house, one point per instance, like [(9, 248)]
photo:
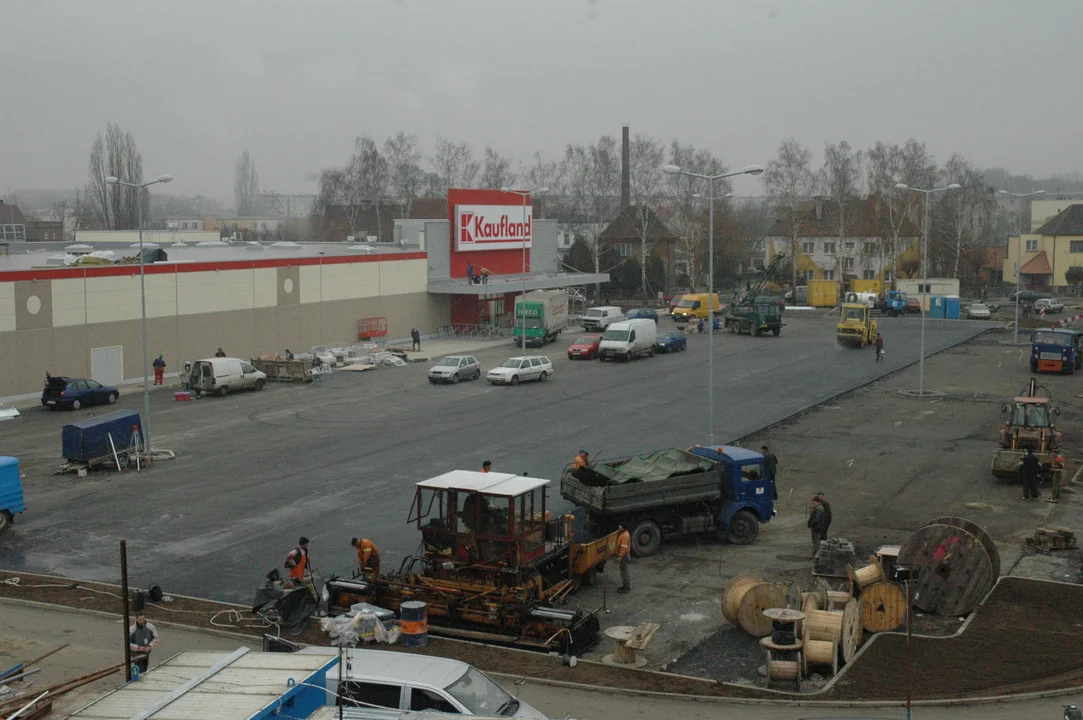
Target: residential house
[(865, 259), (273, 204), (1044, 256), (186, 223), (12, 223), (986, 264), (45, 230), (633, 224), (1042, 210)]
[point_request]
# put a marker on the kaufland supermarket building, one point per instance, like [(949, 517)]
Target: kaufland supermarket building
[(85, 321)]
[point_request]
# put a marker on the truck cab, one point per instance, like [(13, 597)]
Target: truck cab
[(1056, 350), (748, 490)]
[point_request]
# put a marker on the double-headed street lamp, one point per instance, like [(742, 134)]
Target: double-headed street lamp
[(143, 300), (524, 194), (1018, 258), (924, 273), (711, 305)]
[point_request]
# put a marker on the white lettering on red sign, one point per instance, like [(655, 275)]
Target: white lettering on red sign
[(493, 227)]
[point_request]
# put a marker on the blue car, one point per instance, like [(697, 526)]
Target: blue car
[(671, 341), (74, 393), (646, 313)]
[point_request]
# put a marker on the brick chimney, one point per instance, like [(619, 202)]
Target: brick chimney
[(625, 169)]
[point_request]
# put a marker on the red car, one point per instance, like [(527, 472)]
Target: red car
[(585, 347)]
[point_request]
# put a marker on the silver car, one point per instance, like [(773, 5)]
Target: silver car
[(978, 311), (519, 369), (454, 368)]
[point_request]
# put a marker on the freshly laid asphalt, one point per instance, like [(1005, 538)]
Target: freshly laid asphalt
[(256, 470)]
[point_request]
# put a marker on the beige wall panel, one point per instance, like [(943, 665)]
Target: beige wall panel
[(129, 334), (35, 356), (69, 302), (309, 276), (7, 307), (264, 287), (265, 332), (291, 328), (9, 360), (289, 285), (71, 354), (33, 305)]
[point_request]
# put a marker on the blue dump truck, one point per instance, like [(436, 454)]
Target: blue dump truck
[(724, 491), (11, 491), (1056, 350)]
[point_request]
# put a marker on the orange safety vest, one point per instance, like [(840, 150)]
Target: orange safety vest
[(624, 544), (580, 461), (297, 572), (366, 549)]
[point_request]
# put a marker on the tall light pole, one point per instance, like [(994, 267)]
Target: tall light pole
[(924, 273), (1018, 258), (143, 300), (711, 306), (524, 194)]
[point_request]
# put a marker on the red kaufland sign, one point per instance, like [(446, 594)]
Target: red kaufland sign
[(492, 227)]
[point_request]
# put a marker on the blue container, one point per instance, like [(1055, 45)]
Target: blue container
[(937, 306), (952, 307), (414, 623), (88, 440), (11, 489)]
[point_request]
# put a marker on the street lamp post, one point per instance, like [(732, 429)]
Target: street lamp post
[(1018, 259), (524, 194), (143, 301), (711, 305), (924, 273)]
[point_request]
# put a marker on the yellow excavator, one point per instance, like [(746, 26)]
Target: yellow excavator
[(856, 327)]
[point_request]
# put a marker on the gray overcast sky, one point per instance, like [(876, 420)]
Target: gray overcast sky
[(198, 81)]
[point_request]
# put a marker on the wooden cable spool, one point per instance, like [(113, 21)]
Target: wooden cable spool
[(782, 670), (979, 532), (843, 624), (793, 598), (852, 632), (883, 607), (809, 602), (745, 600), (868, 575), (953, 567), (820, 588), (820, 652), (823, 624), (836, 599)]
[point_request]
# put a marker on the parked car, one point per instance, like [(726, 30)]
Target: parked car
[(675, 300), (671, 341), (1027, 296), (628, 339), (1050, 305), (913, 305), (519, 369), (220, 375), (645, 313), (74, 393), (454, 368), (584, 347), (978, 311), (599, 318)]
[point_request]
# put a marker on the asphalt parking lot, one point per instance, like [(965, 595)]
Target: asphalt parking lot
[(256, 470)]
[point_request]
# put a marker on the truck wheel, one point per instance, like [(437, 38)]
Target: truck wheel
[(893, 313), (260, 384), (744, 528), (646, 538), (222, 390), (5, 520), (777, 331), (587, 578)]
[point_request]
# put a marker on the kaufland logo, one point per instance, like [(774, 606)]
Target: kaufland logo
[(492, 227)]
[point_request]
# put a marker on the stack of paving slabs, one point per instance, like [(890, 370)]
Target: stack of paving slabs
[(1058, 538), (833, 557)]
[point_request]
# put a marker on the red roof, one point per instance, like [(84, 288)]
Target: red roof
[(1037, 265)]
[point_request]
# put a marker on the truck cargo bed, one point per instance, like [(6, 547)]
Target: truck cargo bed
[(632, 496)]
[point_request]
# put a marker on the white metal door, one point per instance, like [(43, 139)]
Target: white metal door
[(107, 365)]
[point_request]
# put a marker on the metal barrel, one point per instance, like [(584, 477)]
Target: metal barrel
[(414, 623)]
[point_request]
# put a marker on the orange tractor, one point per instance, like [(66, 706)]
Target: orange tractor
[(1029, 425)]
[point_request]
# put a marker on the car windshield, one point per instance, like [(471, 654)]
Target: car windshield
[(594, 313), (685, 303), (854, 314), (620, 335), (511, 363), (1053, 338), (978, 307), (482, 696), (449, 362), (586, 340), (669, 335), (1030, 415)]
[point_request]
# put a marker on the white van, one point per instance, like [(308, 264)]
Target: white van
[(403, 681), (627, 339), (220, 375), (599, 318)]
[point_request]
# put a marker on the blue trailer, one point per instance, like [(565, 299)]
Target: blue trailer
[(11, 491), (106, 438)]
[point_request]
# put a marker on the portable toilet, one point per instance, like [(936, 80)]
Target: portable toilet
[(937, 305), (952, 304), (11, 490)]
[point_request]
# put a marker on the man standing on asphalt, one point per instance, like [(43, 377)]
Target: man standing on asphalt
[(415, 336), (1030, 468), (816, 524), (142, 637), (772, 467), (624, 551), (297, 561), (827, 514), (159, 370), (879, 345)]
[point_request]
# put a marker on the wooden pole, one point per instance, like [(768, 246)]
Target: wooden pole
[(127, 609)]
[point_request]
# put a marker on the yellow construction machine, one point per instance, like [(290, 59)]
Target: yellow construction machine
[(856, 327)]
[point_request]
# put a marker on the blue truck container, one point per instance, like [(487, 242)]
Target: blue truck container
[(88, 440), (11, 491), (952, 306)]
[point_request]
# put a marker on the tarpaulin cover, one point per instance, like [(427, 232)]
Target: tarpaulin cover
[(657, 465)]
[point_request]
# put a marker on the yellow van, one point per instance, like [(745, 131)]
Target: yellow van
[(694, 307)]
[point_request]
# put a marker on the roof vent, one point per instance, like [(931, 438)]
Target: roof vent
[(79, 248), (146, 245), (286, 246)]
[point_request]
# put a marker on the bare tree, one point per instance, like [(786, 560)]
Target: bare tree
[(591, 175), (789, 182), (965, 217), (454, 165), (115, 206), (405, 177), (646, 158), (889, 165), (690, 216), (496, 171), (245, 185), (841, 178)]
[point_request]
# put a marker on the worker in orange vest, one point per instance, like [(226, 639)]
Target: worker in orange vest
[(582, 459), (487, 466), (624, 551), (368, 557), (297, 561)]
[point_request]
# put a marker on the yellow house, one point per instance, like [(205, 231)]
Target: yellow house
[(1044, 256)]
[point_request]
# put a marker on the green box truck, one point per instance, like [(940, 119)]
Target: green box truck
[(544, 314)]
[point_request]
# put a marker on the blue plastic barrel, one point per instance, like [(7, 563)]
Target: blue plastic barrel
[(414, 623)]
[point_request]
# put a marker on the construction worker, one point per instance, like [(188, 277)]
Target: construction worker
[(159, 370), (487, 466), (368, 557), (772, 468), (816, 523), (297, 561), (1056, 469), (879, 345), (142, 637), (1031, 469), (827, 514), (582, 459), (220, 353), (624, 552)]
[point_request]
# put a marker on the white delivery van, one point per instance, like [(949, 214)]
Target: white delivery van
[(599, 318), (220, 375), (627, 339), (400, 681)]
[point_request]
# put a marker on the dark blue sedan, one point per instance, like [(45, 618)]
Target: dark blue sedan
[(74, 393), (644, 313), (671, 341)]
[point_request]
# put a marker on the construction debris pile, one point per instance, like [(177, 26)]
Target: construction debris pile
[(1058, 538), (20, 697)]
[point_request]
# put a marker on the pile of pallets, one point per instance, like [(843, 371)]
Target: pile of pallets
[(1056, 538)]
